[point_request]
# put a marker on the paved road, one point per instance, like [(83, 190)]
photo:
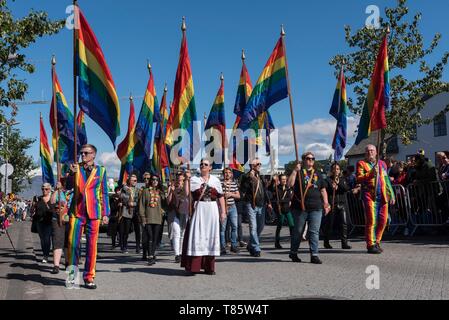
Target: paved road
[(409, 269)]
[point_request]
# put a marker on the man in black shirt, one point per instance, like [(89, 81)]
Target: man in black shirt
[(255, 197)]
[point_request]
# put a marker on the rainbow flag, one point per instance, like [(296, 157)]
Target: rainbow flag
[(46, 159), (244, 91), (378, 99), (270, 88), (96, 89), (144, 125), (339, 110), (217, 121), (125, 150), (160, 157), (81, 130), (155, 165), (184, 109), (65, 123)]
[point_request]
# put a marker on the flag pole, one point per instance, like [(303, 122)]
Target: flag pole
[(223, 139), (340, 97), (75, 89), (161, 124), (379, 133), (55, 121), (292, 115), (183, 29)]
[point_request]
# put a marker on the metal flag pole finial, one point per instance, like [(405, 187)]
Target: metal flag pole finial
[(183, 26), (148, 65), (221, 76), (282, 30), (165, 87), (243, 55), (53, 60)]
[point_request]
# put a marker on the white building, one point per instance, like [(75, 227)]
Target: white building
[(431, 138)]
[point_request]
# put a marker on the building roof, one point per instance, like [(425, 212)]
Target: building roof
[(392, 147)]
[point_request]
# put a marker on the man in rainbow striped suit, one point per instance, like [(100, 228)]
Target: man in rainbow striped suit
[(377, 193), (89, 206)]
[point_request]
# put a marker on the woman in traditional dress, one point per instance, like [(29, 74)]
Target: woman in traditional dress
[(202, 237)]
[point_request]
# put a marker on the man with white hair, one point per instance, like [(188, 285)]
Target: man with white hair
[(377, 193)]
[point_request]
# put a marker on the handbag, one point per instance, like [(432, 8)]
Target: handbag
[(34, 225)]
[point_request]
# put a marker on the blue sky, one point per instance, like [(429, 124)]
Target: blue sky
[(132, 31)]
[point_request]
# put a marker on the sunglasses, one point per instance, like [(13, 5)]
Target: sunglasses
[(204, 165), (311, 159), (45, 189), (155, 179), (258, 164), (85, 153)]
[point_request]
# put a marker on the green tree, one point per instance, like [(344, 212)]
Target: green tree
[(406, 51), (14, 149), (15, 36)]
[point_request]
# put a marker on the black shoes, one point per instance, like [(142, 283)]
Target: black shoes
[(345, 246), (294, 257), (327, 245), (374, 250), (256, 254), (144, 258), (223, 252), (55, 270), (315, 260), (379, 248), (177, 259), (235, 250), (152, 261), (277, 245), (90, 285)]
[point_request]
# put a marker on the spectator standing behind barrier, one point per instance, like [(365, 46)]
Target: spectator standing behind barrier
[(336, 188), (425, 171), (371, 174), (309, 208), (443, 177)]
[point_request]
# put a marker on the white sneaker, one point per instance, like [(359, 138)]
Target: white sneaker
[(44, 260)]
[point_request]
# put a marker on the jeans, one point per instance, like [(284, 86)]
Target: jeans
[(124, 227), (150, 236), (256, 225), (178, 228), (232, 216), (314, 221), (45, 232)]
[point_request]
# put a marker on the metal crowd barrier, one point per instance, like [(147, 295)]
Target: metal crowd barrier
[(428, 204), (418, 205)]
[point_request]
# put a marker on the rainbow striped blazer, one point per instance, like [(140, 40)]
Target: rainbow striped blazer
[(365, 176), (90, 194)]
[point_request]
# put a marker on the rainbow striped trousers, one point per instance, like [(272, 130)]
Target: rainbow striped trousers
[(376, 214), (92, 228)]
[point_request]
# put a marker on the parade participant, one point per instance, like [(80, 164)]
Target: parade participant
[(336, 187), (89, 206), (179, 213), (115, 204), (231, 193), (58, 200), (151, 200), (256, 198), (377, 192), (202, 237), (281, 202), (309, 207), (129, 198), (43, 215)]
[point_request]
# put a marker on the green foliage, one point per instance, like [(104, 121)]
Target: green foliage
[(15, 36), (406, 50), (14, 149)]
